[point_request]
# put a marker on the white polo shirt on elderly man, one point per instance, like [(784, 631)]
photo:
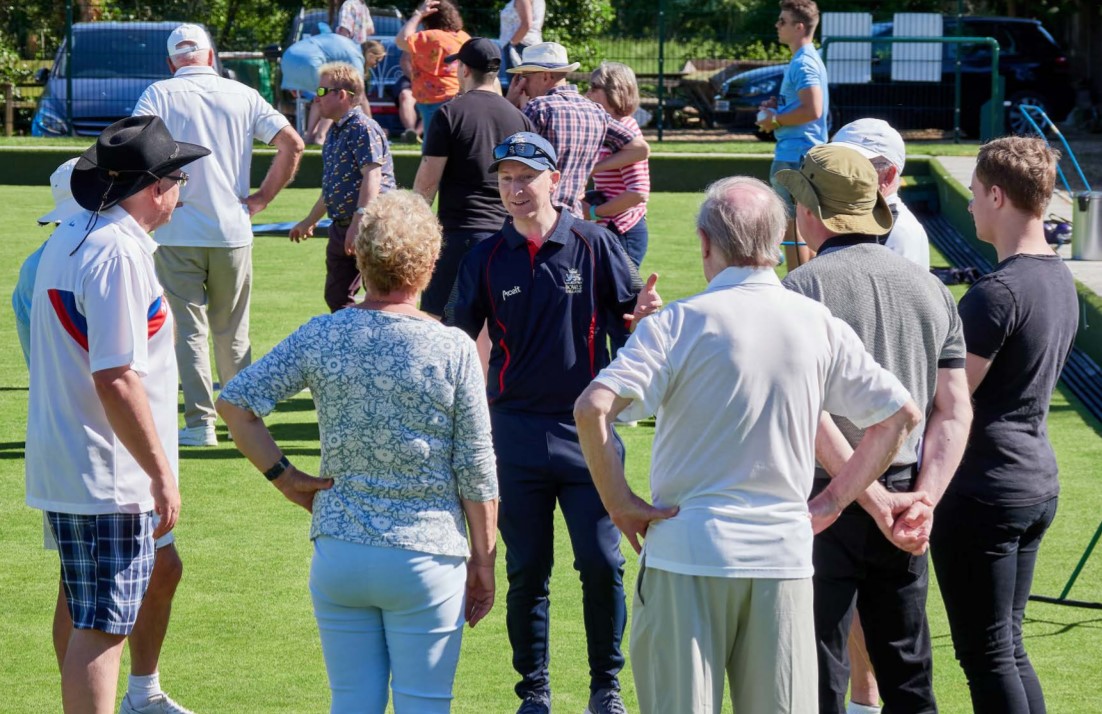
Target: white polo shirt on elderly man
[(738, 376), (97, 309), (226, 116)]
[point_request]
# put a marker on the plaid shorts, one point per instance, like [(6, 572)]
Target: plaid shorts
[(106, 561)]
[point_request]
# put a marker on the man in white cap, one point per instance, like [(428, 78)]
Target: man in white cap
[(575, 126), (101, 420), (874, 557), (205, 260), (877, 141), (144, 688)]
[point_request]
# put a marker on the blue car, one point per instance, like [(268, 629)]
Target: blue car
[(112, 64)]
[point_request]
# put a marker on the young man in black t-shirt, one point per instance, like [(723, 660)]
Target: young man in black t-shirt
[(1019, 325), (455, 160)]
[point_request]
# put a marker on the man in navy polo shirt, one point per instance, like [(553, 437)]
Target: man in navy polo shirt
[(545, 284)]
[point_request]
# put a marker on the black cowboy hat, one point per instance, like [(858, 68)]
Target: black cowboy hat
[(129, 155)]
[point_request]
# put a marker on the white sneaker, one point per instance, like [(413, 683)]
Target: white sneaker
[(198, 436), (855, 708), (158, 704)]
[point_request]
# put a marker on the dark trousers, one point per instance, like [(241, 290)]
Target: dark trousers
[(342, 277), (539, 463), (854, 562), (984, 556), (456, 245), (634, 241)]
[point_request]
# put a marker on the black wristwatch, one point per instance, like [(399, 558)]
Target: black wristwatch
[(276, 471)]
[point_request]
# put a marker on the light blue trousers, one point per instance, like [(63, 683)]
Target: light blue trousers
[(388, 616)]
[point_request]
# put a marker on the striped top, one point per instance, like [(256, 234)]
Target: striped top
[(633, 177)]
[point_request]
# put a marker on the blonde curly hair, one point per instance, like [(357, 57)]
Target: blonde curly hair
[(398, 243)]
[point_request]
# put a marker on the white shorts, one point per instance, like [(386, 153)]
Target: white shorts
[(49, 543)]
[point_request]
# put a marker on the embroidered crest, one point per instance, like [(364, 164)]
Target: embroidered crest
[(572, 281)]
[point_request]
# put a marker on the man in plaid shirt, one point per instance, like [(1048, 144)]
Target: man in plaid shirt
[(574, 125)]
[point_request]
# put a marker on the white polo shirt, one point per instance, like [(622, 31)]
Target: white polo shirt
[(100, 308), (225, 116), (738, 376), (908, 237)]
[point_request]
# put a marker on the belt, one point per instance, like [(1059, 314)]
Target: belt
[(899, 479), (342, 222)]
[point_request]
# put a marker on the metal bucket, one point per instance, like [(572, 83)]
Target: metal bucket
[(1086, 232)]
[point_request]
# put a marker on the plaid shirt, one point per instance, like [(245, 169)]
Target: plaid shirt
[(354, 142), (577, 128)]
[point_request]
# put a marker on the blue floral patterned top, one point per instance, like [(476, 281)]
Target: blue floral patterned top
[(405, 430)]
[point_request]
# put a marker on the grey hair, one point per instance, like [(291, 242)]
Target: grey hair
[(745, 220)]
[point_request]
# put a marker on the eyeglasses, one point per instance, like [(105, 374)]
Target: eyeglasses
[(322, 91), (181, 179), (523, 150)]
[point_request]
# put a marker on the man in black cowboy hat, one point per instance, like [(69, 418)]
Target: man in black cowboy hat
[(101, 425)]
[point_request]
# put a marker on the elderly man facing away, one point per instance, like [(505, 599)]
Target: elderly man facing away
[(205, 259), (738, 376)]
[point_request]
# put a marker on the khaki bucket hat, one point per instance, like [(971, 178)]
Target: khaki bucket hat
[(839, 186)]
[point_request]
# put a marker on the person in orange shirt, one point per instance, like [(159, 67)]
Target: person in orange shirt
[(434, 80)]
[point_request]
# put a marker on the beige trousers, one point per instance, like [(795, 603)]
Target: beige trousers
[(688, 631), (208, 290)]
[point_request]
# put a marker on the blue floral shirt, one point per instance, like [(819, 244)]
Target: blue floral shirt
[(355, 141), (405, 430)]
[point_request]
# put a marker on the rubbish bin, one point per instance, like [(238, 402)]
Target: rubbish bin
[(1086, 232)]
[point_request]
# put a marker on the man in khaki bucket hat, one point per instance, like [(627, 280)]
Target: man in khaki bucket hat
[(874, 556), (838, 186)]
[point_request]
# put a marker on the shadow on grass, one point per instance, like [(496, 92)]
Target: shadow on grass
[(227, 451), (13, 449)]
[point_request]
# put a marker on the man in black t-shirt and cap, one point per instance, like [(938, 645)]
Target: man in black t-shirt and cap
[(456, 159)]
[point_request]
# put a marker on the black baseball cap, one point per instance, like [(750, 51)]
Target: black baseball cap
[(479, 54)]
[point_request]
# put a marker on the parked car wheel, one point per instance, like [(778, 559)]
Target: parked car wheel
[(1016, 121)]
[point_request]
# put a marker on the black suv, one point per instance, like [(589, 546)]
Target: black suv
[(1035, 69)]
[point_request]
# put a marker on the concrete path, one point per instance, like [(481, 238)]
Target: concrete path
[(1088, 272)]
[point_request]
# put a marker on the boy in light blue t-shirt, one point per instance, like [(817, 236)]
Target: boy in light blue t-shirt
[(798, 117)]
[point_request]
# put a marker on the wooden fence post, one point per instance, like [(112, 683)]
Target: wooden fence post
[(9, 109)]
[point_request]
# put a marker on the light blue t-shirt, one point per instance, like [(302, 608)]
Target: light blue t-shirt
[(21, 300), (805, 70)]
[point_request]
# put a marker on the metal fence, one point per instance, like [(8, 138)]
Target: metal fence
[(686, 65)]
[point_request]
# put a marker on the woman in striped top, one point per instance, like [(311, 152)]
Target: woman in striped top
[(621, 201)]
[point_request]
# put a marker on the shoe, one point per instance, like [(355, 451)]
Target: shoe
[(409, 136), (198, 436), (536, 703), (158, 704), (606, 701)]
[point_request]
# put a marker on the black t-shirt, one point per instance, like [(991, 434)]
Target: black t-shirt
[(1023, 317), (466, 130)]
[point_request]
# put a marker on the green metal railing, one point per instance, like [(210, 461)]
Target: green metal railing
[(994, 122)]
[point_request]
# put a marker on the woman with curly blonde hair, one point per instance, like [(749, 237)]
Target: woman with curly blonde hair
[(407, 469)]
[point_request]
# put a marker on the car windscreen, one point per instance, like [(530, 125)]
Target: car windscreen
[(108, 53)]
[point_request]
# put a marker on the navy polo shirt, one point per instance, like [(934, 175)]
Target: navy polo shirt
[(548, 313)]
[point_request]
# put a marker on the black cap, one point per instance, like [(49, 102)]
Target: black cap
[(479, 54)]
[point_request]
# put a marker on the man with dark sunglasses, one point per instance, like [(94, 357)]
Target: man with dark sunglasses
[(356, 167), (545, 285)]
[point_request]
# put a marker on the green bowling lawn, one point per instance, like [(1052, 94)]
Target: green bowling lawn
[(243, 639)]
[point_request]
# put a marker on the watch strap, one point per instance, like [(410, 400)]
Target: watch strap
[(277, 470)]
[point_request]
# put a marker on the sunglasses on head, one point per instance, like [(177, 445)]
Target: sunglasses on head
[(322, 91), (523, 150)]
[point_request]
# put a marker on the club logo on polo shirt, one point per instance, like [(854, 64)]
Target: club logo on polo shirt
[(515, 290), (572, 282)]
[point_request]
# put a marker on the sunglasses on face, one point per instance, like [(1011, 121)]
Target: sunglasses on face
[(524, 151), (322, 91), (181, 178)]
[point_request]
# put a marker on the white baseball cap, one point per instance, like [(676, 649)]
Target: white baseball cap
[(192, 37), (872, 138), (64, 203)]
